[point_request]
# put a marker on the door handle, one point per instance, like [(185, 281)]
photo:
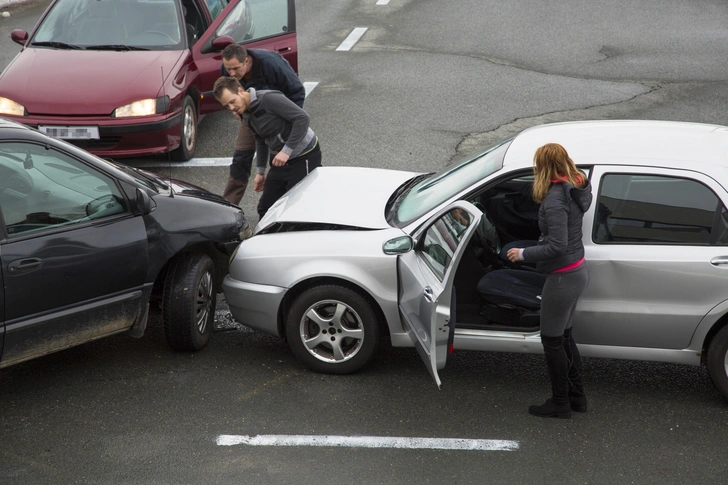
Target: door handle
[(283, 49), (719, 260), (26, 265), (428, 294)]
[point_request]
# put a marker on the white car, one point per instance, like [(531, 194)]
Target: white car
[(351, 254)]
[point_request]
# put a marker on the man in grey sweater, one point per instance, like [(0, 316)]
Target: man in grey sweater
[(281, 128)]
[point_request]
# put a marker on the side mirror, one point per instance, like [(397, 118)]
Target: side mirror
[(398, 245), (219, 43), (19, 36), (144, 203)]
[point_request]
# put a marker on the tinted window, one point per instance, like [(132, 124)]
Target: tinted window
[(442, 239), (215, 7), (255, 19), (658, 209), (41, 189)]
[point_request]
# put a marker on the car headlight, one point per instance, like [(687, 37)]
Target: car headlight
[(10, 107), (143, 107)]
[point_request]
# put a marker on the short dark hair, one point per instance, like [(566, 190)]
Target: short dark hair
[(223, 83), (235, 51)]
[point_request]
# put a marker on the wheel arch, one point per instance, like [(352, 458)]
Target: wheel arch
[(219, 258), (717, 327), (304, 285)]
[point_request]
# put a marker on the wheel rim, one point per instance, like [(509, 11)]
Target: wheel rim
[(189, 128), (203, 304), (331, 331), (725, 363)]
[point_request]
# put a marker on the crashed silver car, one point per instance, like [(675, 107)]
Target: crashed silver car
[(352, 254)]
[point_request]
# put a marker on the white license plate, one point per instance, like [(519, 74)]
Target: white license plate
[(72, 132)]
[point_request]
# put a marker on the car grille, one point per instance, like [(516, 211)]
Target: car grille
[(105, 142)]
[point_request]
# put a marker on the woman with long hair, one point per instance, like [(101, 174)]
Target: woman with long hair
[(565, 195)]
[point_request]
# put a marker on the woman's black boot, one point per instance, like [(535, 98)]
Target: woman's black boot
[(558, 366), (577, 398)]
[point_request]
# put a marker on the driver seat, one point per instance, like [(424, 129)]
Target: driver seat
[(512, 297)]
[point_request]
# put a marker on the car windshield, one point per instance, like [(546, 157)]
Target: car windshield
[(111, 25), (435, 189)]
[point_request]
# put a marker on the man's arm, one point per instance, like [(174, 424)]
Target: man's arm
[(283, 107), (281, 76)]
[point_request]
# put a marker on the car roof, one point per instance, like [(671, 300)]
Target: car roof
[(5, 123), (668, 144)]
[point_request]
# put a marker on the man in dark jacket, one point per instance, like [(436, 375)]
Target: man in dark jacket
[(261, 70), (280, 129)]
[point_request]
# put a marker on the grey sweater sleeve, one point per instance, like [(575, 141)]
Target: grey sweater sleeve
[(278, 104)]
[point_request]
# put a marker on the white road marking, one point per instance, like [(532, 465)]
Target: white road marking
[(368, 442), (352, 39), (382, 2), (309, 86)]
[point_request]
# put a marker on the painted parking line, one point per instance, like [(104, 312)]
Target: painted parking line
[(368, 442), (352, 39), (382, 2), (309, 86)]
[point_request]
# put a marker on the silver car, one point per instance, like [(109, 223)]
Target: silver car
[(352, 254)]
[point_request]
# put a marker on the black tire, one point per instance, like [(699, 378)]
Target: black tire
[(188, 131), (188, 302), (354, 351), (718, 361)]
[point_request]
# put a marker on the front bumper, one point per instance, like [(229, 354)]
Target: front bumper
[(119, 138), (255, 306)]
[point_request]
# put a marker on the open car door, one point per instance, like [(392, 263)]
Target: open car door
[(426, 274)]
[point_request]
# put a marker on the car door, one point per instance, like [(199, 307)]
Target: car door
[(426, 277), (72, 253), (656, 244), (255, 24)]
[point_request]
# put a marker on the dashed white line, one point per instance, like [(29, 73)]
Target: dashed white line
[(352, 39), (368, 442), (382, 2)]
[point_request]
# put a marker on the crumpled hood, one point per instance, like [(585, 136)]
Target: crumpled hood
[(84, 82), (582, 196), (351, 196)]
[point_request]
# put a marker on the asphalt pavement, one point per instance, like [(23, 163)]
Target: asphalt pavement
[(426, 82)]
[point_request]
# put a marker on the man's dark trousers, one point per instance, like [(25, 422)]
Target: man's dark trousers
[(280, 179)]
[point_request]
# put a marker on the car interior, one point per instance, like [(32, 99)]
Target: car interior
[(493, 293)]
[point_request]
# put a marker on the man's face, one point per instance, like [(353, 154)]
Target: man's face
[(235, 102), (237, 69)]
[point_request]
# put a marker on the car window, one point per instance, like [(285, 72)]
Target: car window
[(43, 188), (440, 186), (442, 239), (215, 7), (99, 24), (255, 19), (658, 209)]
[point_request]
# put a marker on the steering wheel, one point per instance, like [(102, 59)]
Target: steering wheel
[(158, 32), (486, 231), (103, 203)]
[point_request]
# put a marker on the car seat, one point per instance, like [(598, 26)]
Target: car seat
[(511, 297)]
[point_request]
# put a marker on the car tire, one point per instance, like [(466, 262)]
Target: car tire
[(189, 300), (347, 343), (717, 361), (188, 132)]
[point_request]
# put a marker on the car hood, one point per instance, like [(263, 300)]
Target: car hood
[(81, 82), (349, 196)]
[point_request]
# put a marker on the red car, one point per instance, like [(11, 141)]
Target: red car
[(126, 78)]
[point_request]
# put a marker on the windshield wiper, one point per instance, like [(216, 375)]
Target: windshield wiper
[(115, 47), (396, 198), (57, 45)]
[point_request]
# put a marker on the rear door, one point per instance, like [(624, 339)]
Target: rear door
[(426, 277), (73, 255), (255, 24)]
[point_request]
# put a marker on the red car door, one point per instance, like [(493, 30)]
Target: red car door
[(267, 25)]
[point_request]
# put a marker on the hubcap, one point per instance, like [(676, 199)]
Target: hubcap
[(725, 363), (203, 305), (332, 331), (189, 128)]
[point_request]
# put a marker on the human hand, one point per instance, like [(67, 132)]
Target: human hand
[(280, 159), (514, 255), (259, 182)]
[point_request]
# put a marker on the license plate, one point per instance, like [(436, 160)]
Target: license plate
[(72, 132)]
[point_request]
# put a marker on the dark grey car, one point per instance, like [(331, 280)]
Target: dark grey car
[(87, 246)]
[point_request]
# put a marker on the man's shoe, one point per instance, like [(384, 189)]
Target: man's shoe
[(578, 404), (551, 410)]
